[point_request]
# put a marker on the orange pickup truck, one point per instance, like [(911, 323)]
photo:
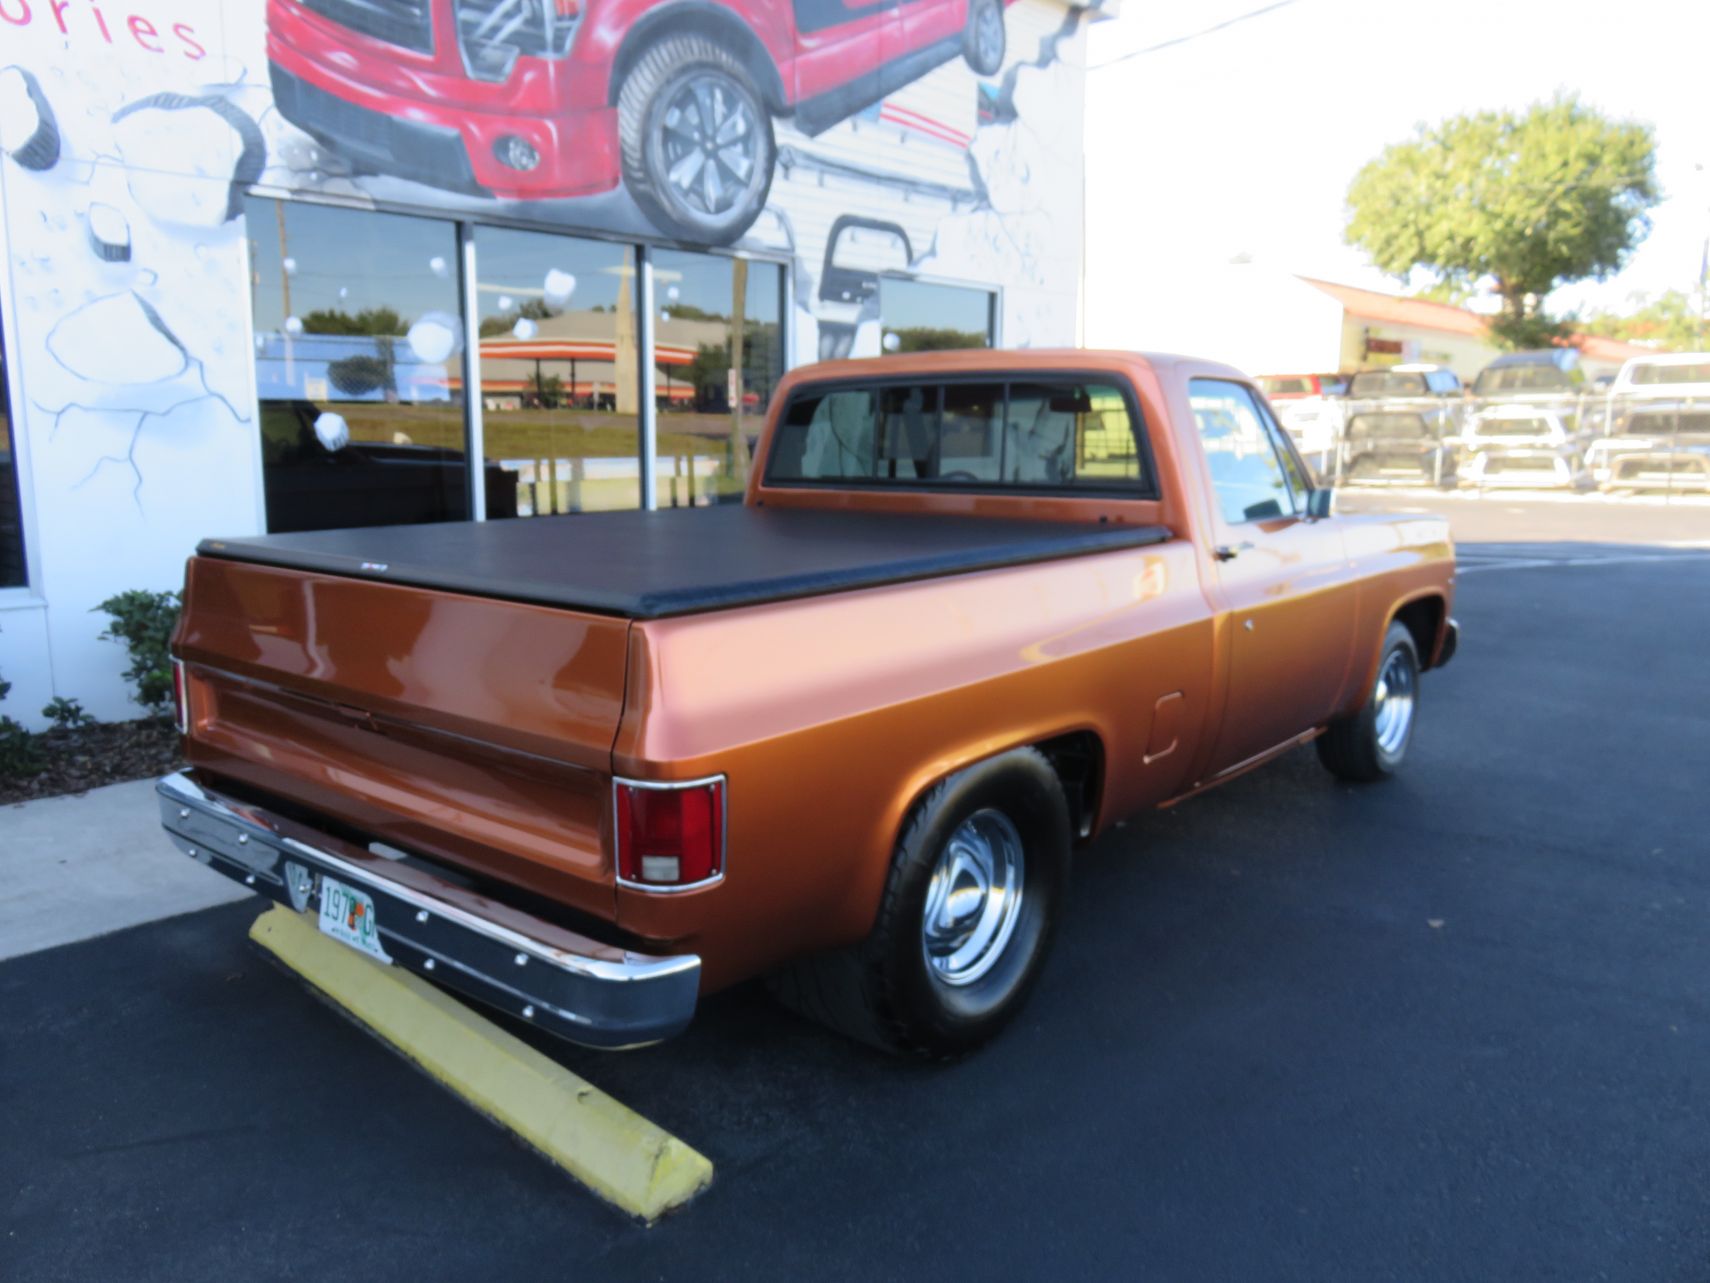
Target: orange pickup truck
[(976, 608)]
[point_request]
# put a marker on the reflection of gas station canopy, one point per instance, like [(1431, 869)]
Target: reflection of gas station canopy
[(548, 349)]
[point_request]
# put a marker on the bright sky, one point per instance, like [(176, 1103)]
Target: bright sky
[(1243, 141)]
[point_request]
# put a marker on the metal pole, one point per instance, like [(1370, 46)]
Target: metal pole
[(646, 412), (475, 428)]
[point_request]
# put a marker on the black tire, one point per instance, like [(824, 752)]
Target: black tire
[(884, 991), (984, 40), (1353, 748), (652, 88)]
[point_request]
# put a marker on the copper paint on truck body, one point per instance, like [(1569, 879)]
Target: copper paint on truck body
[(489, 730)]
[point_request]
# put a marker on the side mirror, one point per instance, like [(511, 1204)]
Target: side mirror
[(1321, 503)]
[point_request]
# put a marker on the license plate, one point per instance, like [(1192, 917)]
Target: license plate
[(347, 915)]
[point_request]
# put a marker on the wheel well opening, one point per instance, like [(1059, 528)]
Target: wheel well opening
[(711, 22), (1424, 619), (1078, 760)]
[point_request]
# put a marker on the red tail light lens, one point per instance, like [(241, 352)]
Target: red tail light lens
[(181, 696), (670, 838)]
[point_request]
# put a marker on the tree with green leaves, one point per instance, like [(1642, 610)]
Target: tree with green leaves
[(1672, 321), (1531, 200)]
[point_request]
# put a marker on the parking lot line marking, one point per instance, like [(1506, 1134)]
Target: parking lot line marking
[(625, 1159)]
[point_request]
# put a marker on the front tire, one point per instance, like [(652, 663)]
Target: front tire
[(1371, 744), (970, 906), (984, 40), (695, 140)]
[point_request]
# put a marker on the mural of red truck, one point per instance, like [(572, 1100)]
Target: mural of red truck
[(547, 99)]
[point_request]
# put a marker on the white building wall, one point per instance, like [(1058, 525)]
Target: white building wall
[(132, 359)]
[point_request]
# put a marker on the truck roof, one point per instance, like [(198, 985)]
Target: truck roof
[(647, 565), (1002, 362)]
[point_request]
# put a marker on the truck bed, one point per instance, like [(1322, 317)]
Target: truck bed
[(648, 565)]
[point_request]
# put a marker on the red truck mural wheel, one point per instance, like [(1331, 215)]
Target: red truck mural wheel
[(984, 41), (695, 137)]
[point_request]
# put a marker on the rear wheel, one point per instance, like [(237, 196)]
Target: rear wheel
[(695, 137), (970, 905), (1371, 744)]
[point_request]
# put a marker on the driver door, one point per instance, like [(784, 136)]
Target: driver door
[(1283, 584)]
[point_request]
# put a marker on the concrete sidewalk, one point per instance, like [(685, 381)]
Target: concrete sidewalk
[(81, 866)]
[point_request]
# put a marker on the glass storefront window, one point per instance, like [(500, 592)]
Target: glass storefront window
[(559, 372), (12, 574), (719, 353), (358, 367), (919, 316)]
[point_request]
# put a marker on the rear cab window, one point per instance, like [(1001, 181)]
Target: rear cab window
[(1042, 433), (1380, 383)]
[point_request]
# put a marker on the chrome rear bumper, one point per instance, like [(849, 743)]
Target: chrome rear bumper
[(591, 993)]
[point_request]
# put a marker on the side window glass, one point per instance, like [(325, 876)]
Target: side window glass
[(1246, 475), (1298, 480)]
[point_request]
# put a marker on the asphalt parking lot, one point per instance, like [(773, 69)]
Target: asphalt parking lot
[(1451, 1027)]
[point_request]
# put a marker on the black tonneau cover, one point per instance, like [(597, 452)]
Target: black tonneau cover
[(645, 565)]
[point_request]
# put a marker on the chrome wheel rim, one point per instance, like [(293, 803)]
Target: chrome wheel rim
[(974, 898), (1394, 699), (709, 140), (988, 35)]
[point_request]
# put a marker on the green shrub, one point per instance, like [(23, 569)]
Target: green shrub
[(144, 621), (20, 754), (66, 714)]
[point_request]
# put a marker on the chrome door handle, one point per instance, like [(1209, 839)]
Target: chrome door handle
[(1228, 552)]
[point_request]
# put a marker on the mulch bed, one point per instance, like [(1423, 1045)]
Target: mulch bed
[(87, 757)]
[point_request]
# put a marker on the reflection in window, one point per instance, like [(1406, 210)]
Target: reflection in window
[(970, 443), (1065, 433), (559, 372), (11, 518), (1049, 433), (358, 370), (1245, 474), (718, 346), (922, 317)]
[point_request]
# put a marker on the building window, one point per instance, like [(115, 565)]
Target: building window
[(358, 363), (12, 573), (560, 372), (718, 354), (918, 316)]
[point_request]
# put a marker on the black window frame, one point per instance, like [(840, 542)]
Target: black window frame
[(1145, 489)]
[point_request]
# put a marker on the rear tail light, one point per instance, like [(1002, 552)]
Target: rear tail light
[(670, 837), (181, 696), (493, 33)]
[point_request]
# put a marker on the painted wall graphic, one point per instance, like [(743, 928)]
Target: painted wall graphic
[(864, 141)]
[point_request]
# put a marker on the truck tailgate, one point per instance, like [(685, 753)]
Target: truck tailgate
[(472, 730)]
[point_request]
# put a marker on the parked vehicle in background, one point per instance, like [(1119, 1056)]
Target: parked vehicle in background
[(1312, 410), (1402, 425), (1526, 423), (845, 734), (535, 99), (1658, 425)]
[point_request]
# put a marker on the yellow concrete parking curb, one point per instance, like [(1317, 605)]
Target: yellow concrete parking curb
[(611, 1149)]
